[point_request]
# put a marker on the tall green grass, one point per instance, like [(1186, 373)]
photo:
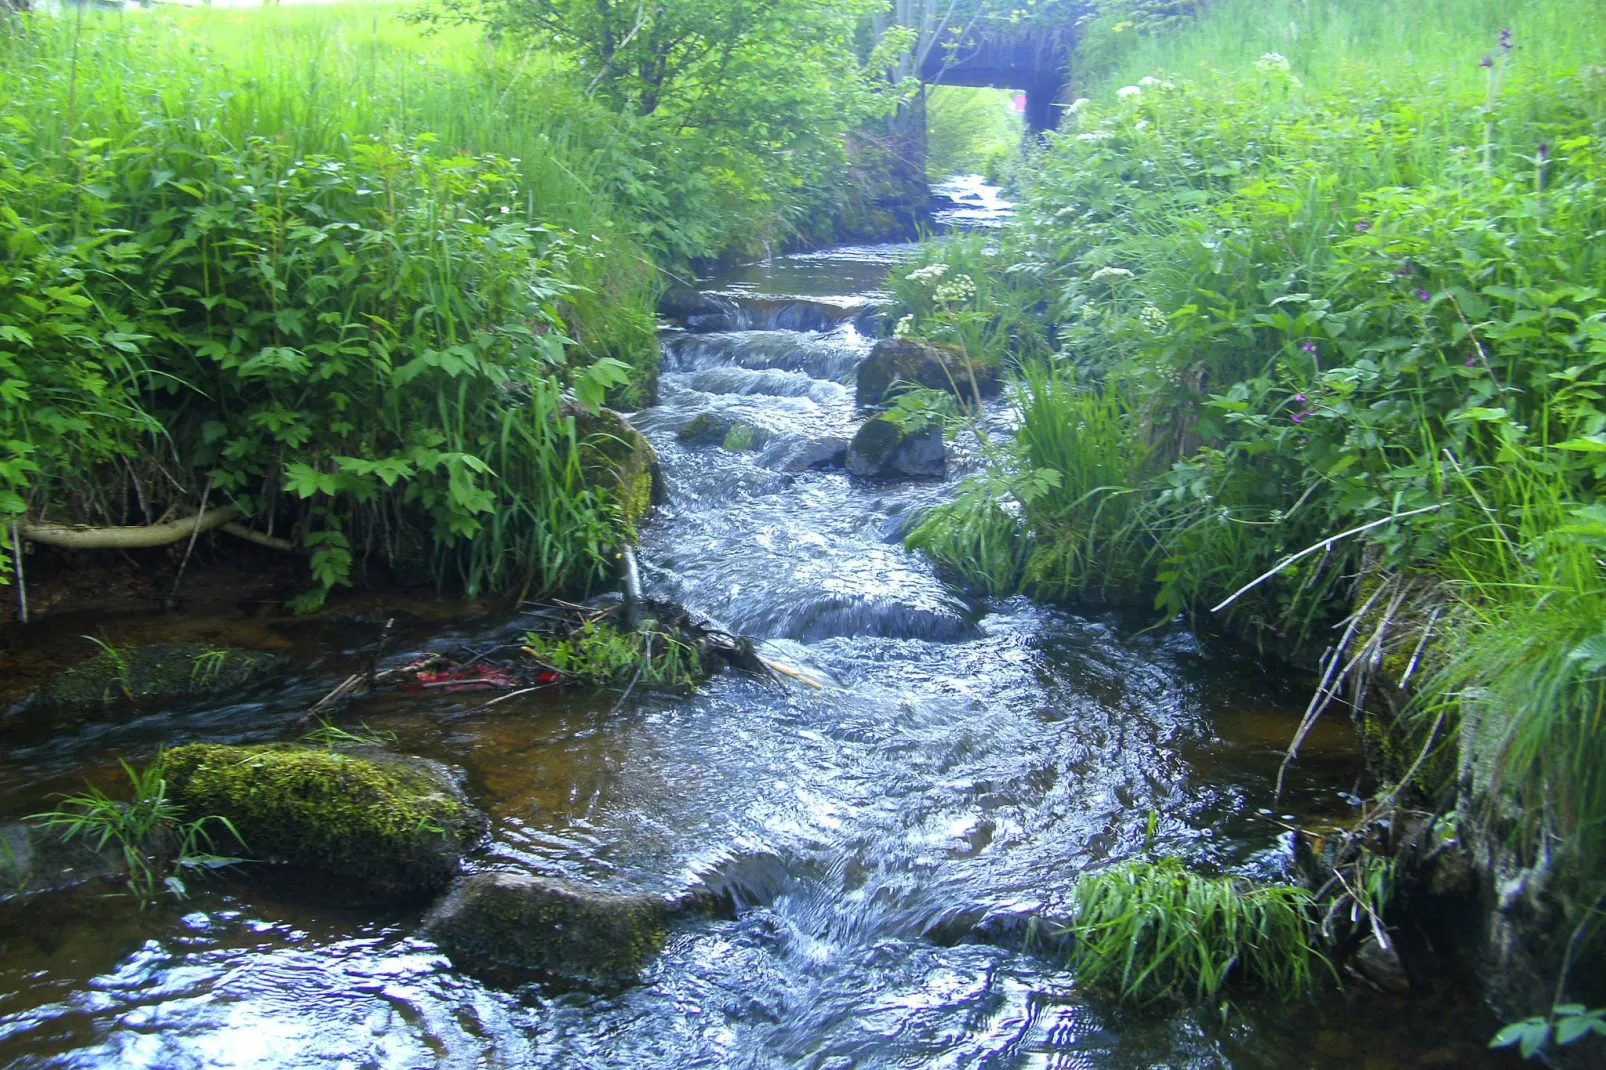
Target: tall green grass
[(1342, 264), (1154, 930)]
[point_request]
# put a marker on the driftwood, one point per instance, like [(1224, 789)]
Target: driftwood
[(146, 536), (83, 537)]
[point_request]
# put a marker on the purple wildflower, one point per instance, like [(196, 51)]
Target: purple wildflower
[(1309, 347), (1362, 227), (1470, 361), (1423, 295), (1298, 417), (1299, 397), (1486, 61), (1505, 39)]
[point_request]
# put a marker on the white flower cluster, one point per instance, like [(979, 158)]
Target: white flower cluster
[(1154, 320), (905, 327), (1128, 92), (1272, 63), (959, 290), (1110, 275), (1096, 135), (1077, 105), (928, 275)]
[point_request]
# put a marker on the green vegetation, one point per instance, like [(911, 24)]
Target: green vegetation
[(1155, 930), (970, 131), (1323, 295), (159, 671), (596, 654), (397, 824), (1567, 1024), (342, 276), (150, 831)]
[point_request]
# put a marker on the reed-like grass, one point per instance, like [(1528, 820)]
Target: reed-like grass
[(1156, 930)]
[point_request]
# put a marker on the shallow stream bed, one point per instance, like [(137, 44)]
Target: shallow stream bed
[(886, 837)]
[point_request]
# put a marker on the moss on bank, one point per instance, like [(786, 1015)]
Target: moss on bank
[(127, 675)]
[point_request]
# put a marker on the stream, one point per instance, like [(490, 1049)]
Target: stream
[(886, 837)]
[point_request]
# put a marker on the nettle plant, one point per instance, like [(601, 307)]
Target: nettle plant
[(365, 354)]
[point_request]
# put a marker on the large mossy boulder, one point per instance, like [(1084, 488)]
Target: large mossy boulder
[(882, 449), (937, 367), (398, 825), (618, 457), (125, 676), (551, 926)]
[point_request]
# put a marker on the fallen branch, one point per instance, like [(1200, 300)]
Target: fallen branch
[(261, 538), (1307, 551), (83, 537)]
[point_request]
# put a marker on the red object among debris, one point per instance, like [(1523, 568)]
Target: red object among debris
[(467, 678)]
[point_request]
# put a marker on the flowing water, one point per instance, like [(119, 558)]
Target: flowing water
[(885, 837)]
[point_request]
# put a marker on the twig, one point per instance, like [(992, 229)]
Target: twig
[(1483, 356), (22, 581), (1420, 643), (465, 684), (1307, 551), (195, 533), (513, 694), (379, 650), (1324, 694), (784, 670)]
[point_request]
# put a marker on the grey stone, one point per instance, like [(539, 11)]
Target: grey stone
[(550, 925), (883, 450)]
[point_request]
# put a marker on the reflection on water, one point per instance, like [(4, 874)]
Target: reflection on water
[(885, 838)]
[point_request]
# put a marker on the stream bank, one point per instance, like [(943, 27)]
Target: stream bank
[(882, 840)]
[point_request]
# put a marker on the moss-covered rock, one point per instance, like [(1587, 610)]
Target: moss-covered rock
[(743, 437), (399, 825), (122, 676), (881, 449), (550, 925), (618, 457), (706, 429), (937, 367)]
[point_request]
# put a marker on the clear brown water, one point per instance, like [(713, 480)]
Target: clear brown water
[(885, 837)]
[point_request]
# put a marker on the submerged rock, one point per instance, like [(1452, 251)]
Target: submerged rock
[(881, 449), (698, 311), (617, 456), (38, 858), (551, 925), (1381, 966), (744, 436), (826, 452), (399, 825), (125, 676), (937, 367), (706, 429)]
